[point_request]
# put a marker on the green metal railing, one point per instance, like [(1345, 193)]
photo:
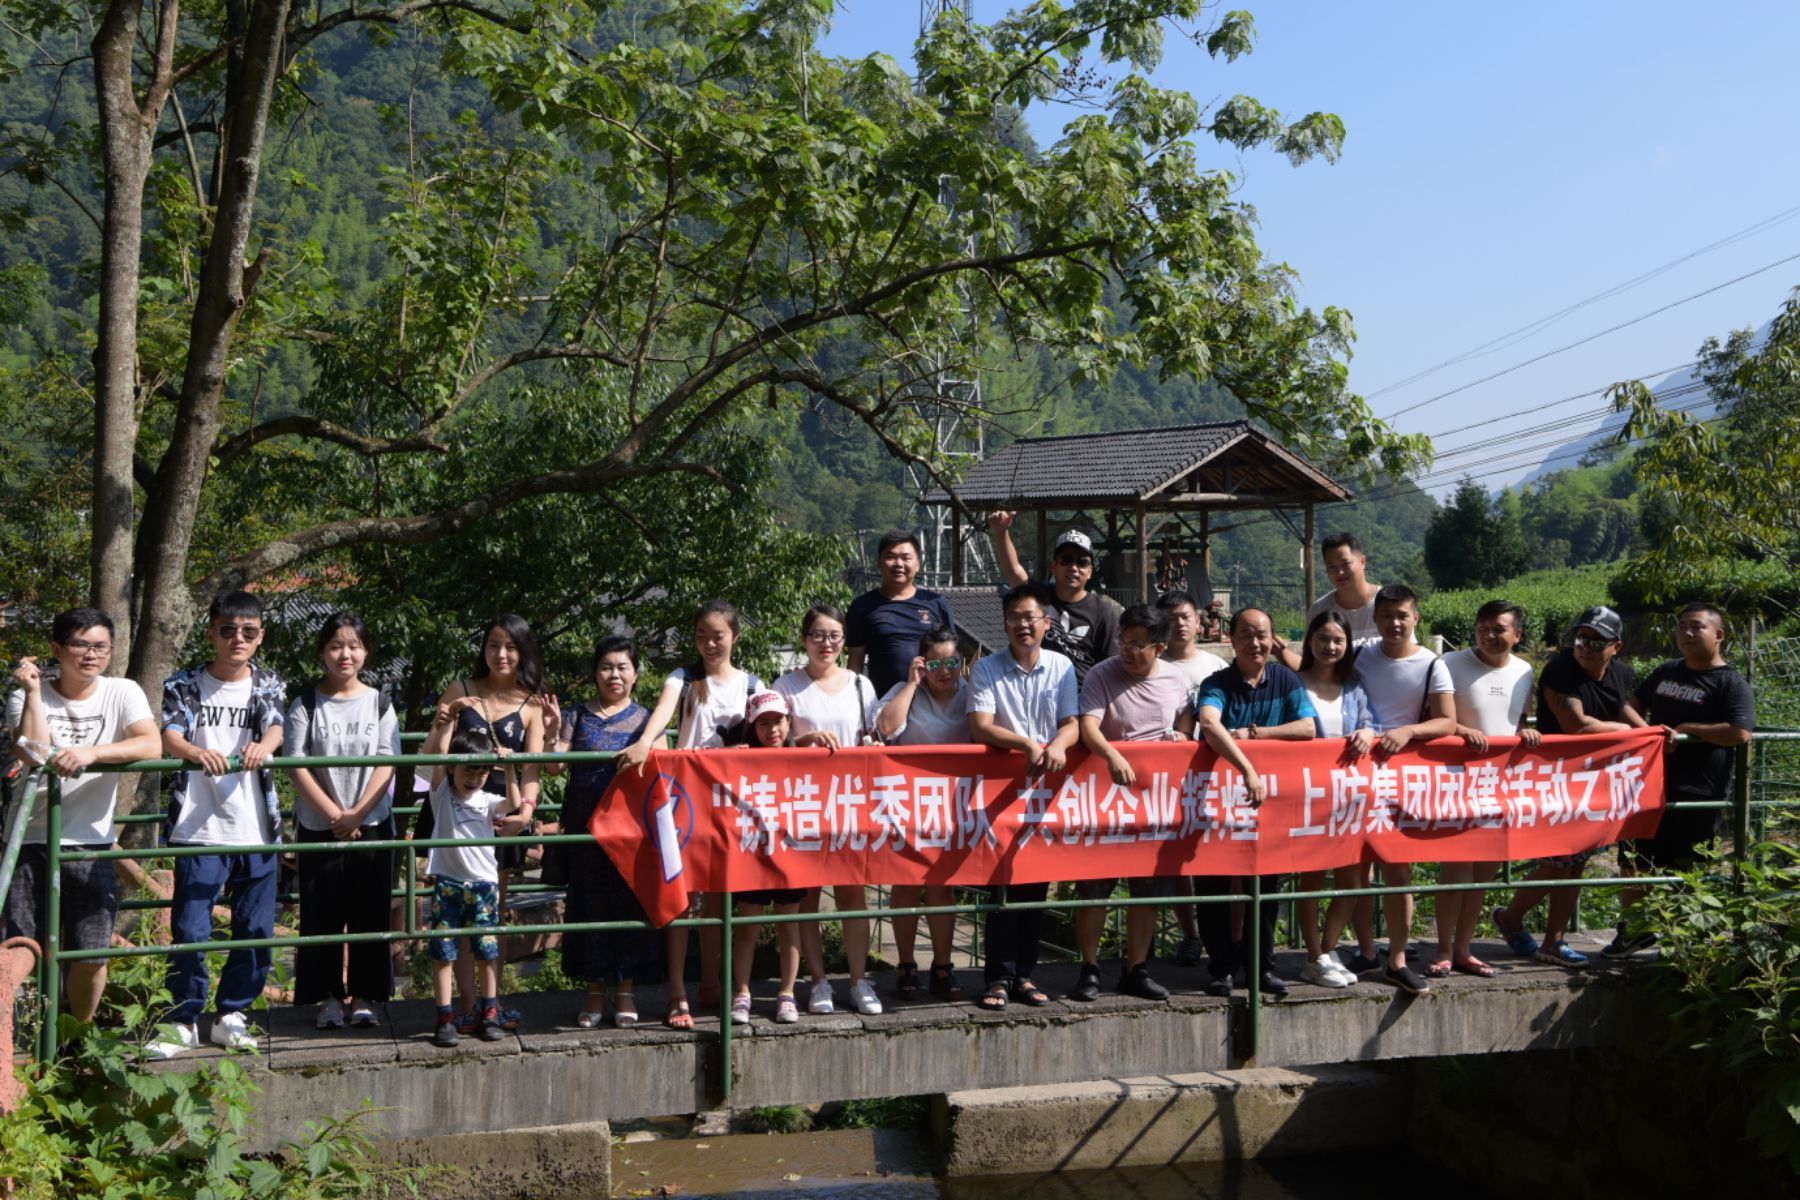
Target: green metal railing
[(55, 956)]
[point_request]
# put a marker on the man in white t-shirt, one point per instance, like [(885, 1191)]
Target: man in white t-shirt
[(1410, 698), (1195, 664), (82, 718), (229, 707), (1493, 699), (1352, 596)]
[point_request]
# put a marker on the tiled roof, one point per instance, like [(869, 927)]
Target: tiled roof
[(977, 613), (1134, 465)]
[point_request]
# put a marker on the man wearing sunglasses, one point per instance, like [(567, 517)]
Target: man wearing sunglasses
[(1084, 625), (1584, 689)]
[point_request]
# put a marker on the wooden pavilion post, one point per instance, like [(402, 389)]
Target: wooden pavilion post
[(1143, 555), (956, 547), (1307, 550), (1042, 565)]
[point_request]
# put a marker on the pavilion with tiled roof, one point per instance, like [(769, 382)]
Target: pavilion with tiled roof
[(1135, 486)]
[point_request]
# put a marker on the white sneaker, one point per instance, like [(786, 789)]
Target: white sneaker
[(819, 1000), (182, 1039), (232, 1031), (1325, 972), (864, 997), (331, 1015)]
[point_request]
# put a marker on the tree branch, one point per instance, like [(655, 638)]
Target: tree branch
[(592, 478), (229, 450)]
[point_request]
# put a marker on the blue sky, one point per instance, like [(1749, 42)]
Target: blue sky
[(1502, 164)]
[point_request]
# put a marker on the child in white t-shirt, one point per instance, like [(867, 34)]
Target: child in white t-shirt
[(465, 892)]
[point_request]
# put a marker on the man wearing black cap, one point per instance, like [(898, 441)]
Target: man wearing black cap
[(1584, 689), (1084, 625)]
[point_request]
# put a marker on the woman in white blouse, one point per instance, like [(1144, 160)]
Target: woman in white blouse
[(832, 707)]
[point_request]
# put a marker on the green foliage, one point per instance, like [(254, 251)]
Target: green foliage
[(1474, 541), (1552, 601), (776, 1118), (1739, 585), (1726, 489), (884, 1112), (1730, 978), (1581, 515), (97, 1123)]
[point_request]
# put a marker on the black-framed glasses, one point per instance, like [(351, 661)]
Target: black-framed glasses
[(232, 633), (97, 649), (953, 663), (823, 638), (1074, 560), (1595, 644)]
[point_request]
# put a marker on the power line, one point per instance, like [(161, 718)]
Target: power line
[(1591, 337), (1664, 371), (1512, 338)]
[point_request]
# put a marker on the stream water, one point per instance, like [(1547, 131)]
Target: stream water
[(887, 1164)]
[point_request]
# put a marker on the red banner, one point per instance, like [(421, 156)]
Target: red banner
[(737, 820)]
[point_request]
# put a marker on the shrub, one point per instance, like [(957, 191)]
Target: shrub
[(1729, 976), (1552, 601), (97, 1123)]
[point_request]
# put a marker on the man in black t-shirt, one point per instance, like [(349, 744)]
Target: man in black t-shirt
[(1704, 697), (1084, 625), (1584, 689), (883, 627)]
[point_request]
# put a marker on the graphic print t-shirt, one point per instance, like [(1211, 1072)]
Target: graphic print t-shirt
[(98, 719), (1675, 694), (223, 810), (1085, 631), (346, 726)]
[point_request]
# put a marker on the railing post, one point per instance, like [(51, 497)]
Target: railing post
[(52, 930), (1740, 810), (1253, 972), (727, 994)]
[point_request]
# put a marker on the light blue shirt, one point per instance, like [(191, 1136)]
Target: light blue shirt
[(1029, 703)]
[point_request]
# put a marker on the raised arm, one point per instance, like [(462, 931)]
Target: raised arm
[(1005, 553)]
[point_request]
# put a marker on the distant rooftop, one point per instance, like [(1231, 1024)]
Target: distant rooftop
[(1226, 464)]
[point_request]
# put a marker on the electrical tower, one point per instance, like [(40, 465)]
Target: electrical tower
[(942, 398)]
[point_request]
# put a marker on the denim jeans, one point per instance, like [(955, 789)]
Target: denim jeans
[(247, 882)]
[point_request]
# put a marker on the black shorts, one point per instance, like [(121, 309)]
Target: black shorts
[(767, 896), (90, 899), (1676, 843), (1141, 887)]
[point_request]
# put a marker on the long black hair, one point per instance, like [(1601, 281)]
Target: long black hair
[(531, 661), (712, 608), (1346, 666)]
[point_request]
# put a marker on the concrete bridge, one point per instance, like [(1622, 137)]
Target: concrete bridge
[(551, 1084)]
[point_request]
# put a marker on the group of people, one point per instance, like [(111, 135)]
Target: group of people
[(1077, 669)]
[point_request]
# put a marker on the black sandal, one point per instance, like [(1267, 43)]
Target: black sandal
[(1030, 993), (907, 985), (943, 983), (994, 999)]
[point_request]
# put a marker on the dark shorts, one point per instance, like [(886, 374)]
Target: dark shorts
[(768, 896), (465, 904), (1142, 887), (90, 899), (1675, 845)]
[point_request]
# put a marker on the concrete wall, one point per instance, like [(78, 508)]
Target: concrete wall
[(1157, 1120)]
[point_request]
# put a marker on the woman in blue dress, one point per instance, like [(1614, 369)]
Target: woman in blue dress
[(597, 892)]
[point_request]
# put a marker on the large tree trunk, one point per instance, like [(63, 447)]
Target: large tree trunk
[(125, 147), (168, 608)]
